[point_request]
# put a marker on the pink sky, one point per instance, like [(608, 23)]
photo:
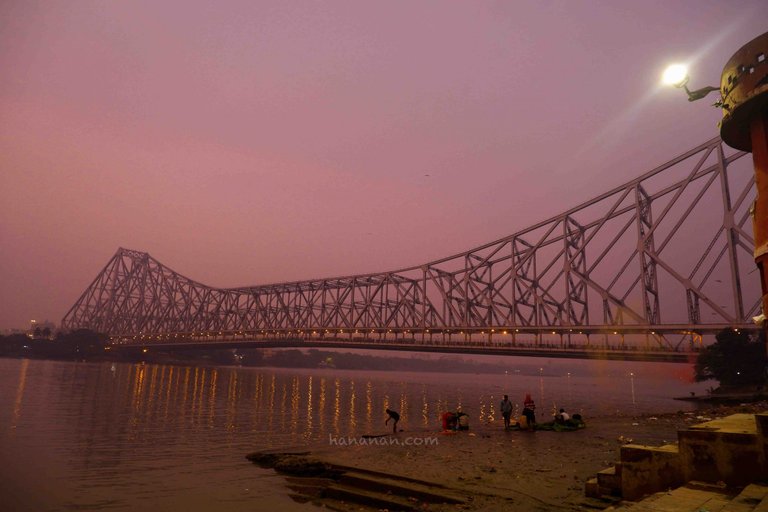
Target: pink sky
[(255, 142)]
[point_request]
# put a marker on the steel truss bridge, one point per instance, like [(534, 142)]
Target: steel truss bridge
[(651, 266)]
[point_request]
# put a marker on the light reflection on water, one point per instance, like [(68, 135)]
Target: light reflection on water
[(161, 437)]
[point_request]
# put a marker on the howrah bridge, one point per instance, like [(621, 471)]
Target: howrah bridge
[(647, 270)]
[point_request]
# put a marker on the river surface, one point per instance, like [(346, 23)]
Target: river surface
[(103, 436)]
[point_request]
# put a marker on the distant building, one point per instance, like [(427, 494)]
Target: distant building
[(44, 329)]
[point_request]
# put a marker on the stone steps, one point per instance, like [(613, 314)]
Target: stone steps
[(726, 453), (337, 487), (752, 497), (391, 486), (375, 500), (701, 498), (385, 492), (307, 488), (606, 483), (609, 480)]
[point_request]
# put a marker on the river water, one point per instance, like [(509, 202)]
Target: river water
[(103, 436)]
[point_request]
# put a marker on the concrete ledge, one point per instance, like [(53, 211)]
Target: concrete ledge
[(649, 469), (609, 482), (727, 450), (592, 489), (761, 422), (749, 500)]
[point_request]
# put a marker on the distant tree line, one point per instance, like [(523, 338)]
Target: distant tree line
[(79, 344), (87, 345), (38, 333), (736, 359), (314, 358)]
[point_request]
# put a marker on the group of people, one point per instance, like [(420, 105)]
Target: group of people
[(455, 420), (451, 420), (459, 420), (529, 413)]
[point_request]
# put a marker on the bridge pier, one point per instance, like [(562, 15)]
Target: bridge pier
[(744, 99), (759, 130)]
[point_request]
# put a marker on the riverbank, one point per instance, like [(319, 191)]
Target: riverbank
[(495, 469), (728, 396)]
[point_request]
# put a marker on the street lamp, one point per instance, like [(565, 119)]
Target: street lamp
[(677, 76), (744, 126)]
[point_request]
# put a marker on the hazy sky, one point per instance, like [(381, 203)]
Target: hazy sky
[(251, 142)]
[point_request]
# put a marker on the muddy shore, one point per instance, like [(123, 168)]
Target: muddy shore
[(488, 467)]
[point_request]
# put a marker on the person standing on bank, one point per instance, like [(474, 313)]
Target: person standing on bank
[(392, 415), (528, 411), (506, 410)]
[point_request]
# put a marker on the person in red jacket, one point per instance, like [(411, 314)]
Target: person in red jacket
[(449, 420), (528, 411)]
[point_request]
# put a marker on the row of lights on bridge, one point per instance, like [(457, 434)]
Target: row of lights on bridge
[(327, 331), (340, 331)]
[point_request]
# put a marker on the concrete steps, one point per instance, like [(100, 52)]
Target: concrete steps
[(753, 498), (338, 487), (729, 453), (606, 483), (406, 488), (307, 488), (346, 494), (390, 493)]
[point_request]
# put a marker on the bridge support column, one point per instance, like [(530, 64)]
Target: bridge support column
[(759, 133), (744, 99)]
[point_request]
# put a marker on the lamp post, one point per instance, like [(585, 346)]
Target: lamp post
[(677, 75), (744, 126)]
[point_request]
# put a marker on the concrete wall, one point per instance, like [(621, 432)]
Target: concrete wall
[(729, 450), (649, 469), (735, 459)]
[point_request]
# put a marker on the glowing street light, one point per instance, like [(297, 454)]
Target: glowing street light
[(676, 75)]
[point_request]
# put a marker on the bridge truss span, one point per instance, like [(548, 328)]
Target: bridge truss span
[(663, 258)]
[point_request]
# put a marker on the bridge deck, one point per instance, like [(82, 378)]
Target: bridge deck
[(582, 352)]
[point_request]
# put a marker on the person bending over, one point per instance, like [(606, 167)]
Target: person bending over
[(392, 415)]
